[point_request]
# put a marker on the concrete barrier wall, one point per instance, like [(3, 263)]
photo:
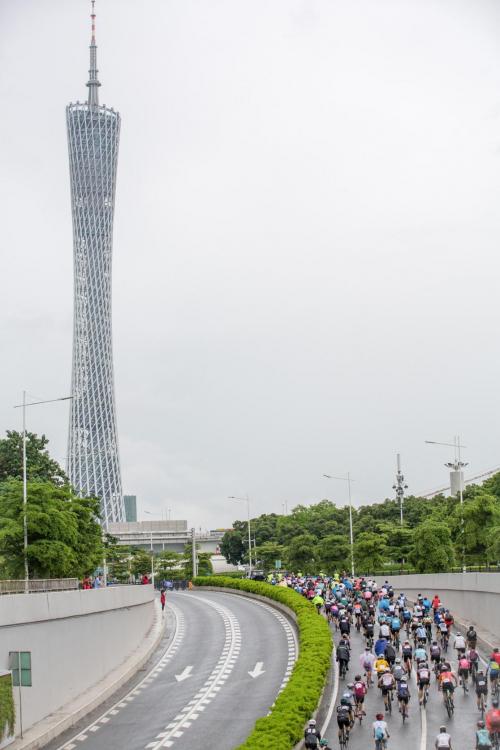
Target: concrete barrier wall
[(471, 597), (75, 638)]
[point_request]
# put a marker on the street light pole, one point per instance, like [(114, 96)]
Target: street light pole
[(457, 465), (400, 487), (25, 480), (246, 500), (193, 542), (351, 534)]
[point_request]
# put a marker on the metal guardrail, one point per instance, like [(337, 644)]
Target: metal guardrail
[(37, 585)]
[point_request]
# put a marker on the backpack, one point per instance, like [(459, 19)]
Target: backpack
[(359, 689), (481, 684), (435, 651), (390, 653), (379, 733), (403, 691)]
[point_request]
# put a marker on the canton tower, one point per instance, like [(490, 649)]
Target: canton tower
[(93, 457)]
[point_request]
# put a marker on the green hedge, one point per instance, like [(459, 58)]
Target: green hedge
[(284, 726), (7, 710)]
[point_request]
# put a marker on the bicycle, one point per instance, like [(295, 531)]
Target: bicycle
[(444, 641), (369, 679), (482, 704), (343, 738), (343, 669), (495, 689), (396, 641), (388, 701), (358, 712), (381, 744), (473, 671), (404, 710), (464, 682), (495, 738), (448, 704)]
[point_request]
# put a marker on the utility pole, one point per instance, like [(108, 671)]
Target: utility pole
[(351, 533), (193, 542), (400, 487)]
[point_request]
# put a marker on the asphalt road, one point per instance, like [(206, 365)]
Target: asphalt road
[(221, 667), (420, 729)]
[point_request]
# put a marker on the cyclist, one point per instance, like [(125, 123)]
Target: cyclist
[(443, 630), (385, 630), (471, 637), (399, 671), (387, 683), (493, 672), (344, 624), (423, 679), (312, 735), (420, 654), (459, 644), (448, 618), (390, 653), (360, 691), (367, 661), (495, 656), (443, 740), (381, 665), (420, 635), (380, 731), (463, 670), (436, 603), (493, 719), (447, 683), (407, 652), (403, 693), (483, 741), (343, 719), (318, 602), (343, 656), (369, 628), (380, 645), (435, 652), (473, 658), (481, 688), (344, 641)]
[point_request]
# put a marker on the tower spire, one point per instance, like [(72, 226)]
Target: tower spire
[(93, 83)]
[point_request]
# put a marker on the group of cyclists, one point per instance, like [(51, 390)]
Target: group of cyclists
[(402, 640)]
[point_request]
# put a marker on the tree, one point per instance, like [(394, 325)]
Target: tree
[(301, 553), (140, 563), (268, 553), (334, 553), (232, 547), (480, 513), (118, 559), (204, 561), (369, 551), (64, 536), (167, 564), (493, 544), (432, 550), (39, 465)]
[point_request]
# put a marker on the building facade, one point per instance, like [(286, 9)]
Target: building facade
[(93, 456), (130, 503)]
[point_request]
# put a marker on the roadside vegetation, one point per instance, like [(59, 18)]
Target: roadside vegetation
[(316, 537), (283, 727)]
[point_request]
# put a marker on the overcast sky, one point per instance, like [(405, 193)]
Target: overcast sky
[(306, 245)]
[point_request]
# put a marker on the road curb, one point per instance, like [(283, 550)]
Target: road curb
[(330, 687), (56, 723)]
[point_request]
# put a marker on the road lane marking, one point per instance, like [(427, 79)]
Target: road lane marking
[(178, 637), (184, 674), (257, 670), (218, 676)]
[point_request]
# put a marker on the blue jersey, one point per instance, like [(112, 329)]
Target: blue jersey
[(395, 623)]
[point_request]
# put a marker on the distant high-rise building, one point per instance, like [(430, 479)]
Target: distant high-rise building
[(130, 502), (93, 458)]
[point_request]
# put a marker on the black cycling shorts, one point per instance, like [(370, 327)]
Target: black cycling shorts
[(448, 687), (343, 721), (423, 683)]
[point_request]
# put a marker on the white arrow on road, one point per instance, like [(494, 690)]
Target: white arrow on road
[(184, 674), (257, 670)]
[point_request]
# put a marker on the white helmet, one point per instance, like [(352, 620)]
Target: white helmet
[(312, 722)]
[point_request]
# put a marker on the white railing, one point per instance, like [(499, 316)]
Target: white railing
[(38, 584)]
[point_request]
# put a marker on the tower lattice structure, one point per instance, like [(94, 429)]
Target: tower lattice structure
[(93, 455)]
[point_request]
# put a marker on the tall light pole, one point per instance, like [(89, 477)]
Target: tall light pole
[(348, 480), (193, 542), (400, 486), (25, 479), (149, 513), (246, 500), (285, 507), (457, 465)]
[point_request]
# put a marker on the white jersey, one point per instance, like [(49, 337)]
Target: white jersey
[(459, 641), (443, 741), (382, 725)]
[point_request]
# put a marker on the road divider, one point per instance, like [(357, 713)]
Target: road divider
[(283, 727)]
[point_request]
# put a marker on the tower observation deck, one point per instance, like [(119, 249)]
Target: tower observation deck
[(93, 455)]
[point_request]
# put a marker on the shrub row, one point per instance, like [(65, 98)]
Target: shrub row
[(284, 725), (7, 710)]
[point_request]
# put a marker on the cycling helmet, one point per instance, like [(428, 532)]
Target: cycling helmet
[(312, 722), (379, 717), (357, 677), (398, 661), (442, 728), (323, 742), (480, 724), (494, 702)]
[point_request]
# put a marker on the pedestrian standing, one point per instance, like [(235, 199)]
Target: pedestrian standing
[(162, 599)]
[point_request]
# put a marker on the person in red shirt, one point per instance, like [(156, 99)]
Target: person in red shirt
[(492, 718), (495, 656), (162, 599), (436, 602)]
